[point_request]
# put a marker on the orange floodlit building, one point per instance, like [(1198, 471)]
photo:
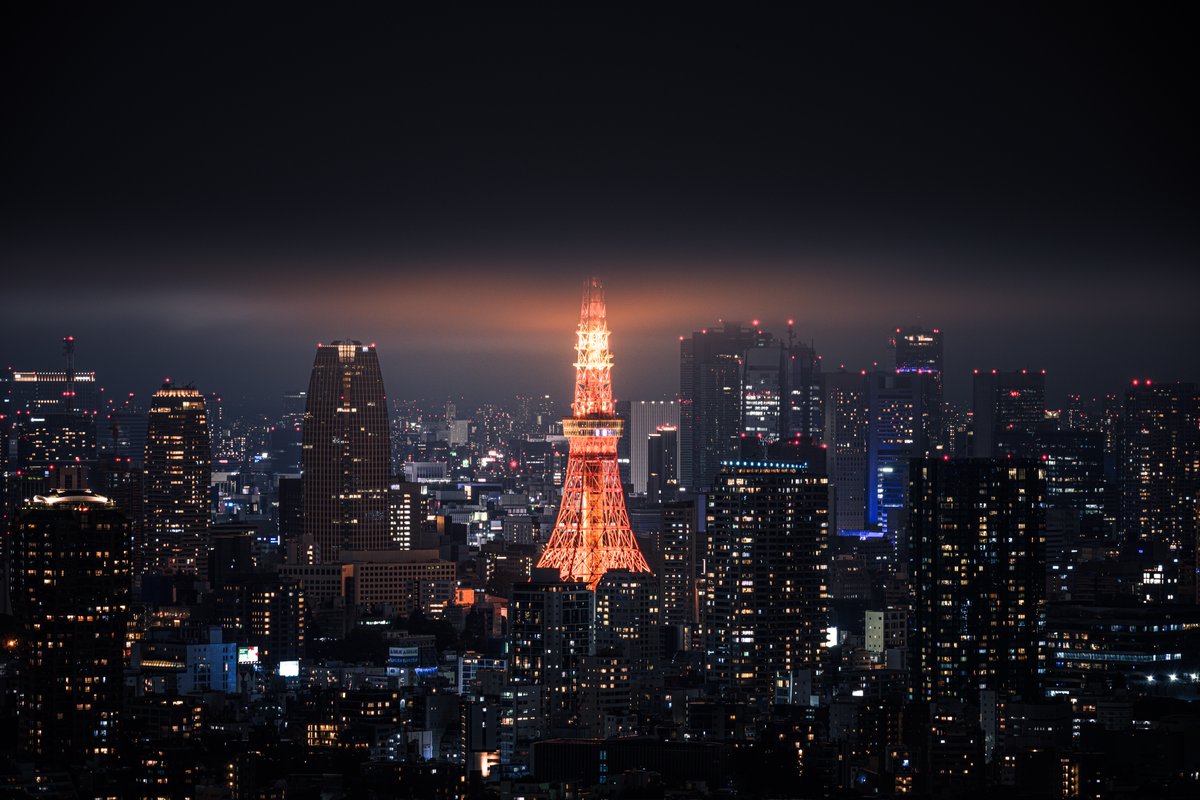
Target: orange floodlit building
[(592, 534)]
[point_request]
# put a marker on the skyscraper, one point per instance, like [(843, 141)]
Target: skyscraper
[(592, 533), (764, 606), (1006, 406), (642, 419), (1159, 479), (408, 509), (977, 570), (662, 475), (802, 391), (287, 435), (763, 389), (178, 467), (677, 545), (845, 435), (710, 399), (346, 454), (919, 352), (628, 616), (70, 592), (52, 420), (895, 434), (550, 631)]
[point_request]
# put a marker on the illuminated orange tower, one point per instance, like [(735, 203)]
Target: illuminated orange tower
[(592, 534)]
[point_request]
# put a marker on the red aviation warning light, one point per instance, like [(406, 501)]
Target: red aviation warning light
[(592, 534)]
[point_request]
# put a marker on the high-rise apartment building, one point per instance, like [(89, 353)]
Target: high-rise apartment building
[(977, 571), (70, 590), (628, 616), (178, 470), (764, 604), (346, 454), (1159, 475), (1075, 480), (677, 547), (550, 631)]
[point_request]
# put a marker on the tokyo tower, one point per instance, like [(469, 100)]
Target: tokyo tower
[(592, 534)]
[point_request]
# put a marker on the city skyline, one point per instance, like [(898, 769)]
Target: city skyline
[(866, 465), (530, 363)]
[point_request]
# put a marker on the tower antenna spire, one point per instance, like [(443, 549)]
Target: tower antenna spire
[(69, 353)]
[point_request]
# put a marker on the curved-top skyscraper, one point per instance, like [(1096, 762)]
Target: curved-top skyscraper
[(592, 534), (346, 454)]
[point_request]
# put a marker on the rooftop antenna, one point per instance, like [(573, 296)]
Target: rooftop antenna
[(69, 352)]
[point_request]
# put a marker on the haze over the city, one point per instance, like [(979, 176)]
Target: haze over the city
[(207, 196)]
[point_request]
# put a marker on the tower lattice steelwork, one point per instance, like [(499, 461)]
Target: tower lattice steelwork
[(592, 534)]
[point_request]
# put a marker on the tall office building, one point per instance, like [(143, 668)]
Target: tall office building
[(408, 511), (1159, 479), (346, 455), (662, 464), (804, 399), (845, 436), (710, 399), (781, 390), (764, 605), (70, 592), (642, 418), (763, 390), (51, 421), (1007, 406), (287, 435), (177, 469), (59, 447), (1075, 481), (919, 352), (895, 435), (977, 571), (50, 391)]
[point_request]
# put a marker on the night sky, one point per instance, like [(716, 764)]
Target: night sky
[(207, 192)]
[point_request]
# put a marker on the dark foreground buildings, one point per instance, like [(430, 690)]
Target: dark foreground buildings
[(70, 590)]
